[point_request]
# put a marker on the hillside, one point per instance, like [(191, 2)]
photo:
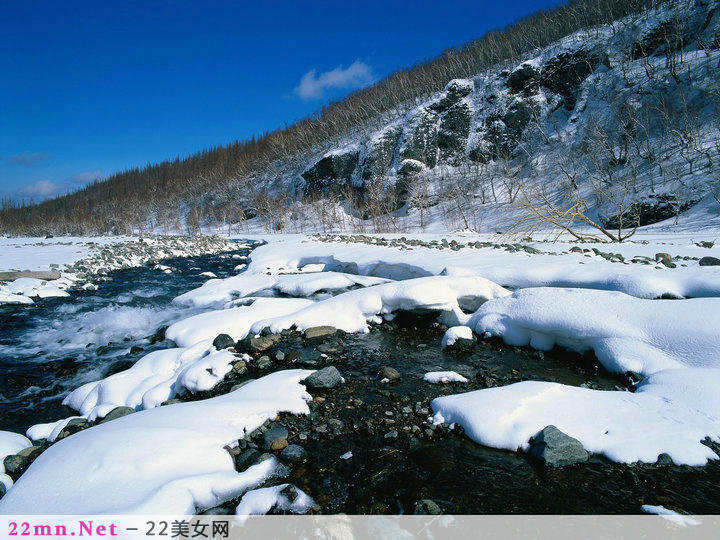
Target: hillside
[(597, 117)]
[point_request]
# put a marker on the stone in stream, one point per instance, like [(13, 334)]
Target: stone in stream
[(709, 261), (117, 412), (554, 448), (389, 374), (254, 344), (318, 333), (272, 437), (223, 341), (323, 379), (294, 454), (246, 459), (427, 507)]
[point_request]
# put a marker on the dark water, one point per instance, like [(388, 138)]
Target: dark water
[(55, 345)]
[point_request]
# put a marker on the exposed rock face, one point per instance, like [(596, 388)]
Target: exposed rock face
[(454, 131), (563, 73), (380, 154), (421, 144), (525, 78), (331, 173)]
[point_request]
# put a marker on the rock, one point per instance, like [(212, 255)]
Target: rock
[(427, 507), (278, 445), (381, 151), (15, 465), (117, 412), (453, 132), (455, 90), (421, 140), (709, 261), (2, 490), (330, 174), (159, 335), (279, 356), (294, 454), (554, 448), (664, 460), (391, 434), (264, 363), (391, 374), (563, 73), (524, 78), (317, 333), (272, 435), (323, 379), (240, 367), (254, 344), (72, 427), (410, 167), (663, 257), (246, 459), (223, 341)]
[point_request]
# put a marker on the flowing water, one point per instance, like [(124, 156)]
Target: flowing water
[(398, 458)]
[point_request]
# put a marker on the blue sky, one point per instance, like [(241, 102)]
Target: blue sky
[(92, 88)]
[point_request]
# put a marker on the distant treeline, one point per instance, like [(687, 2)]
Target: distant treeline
[(175, 192)]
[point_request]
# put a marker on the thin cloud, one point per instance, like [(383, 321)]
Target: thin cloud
[(28, 158), (42, 189), (314, 85), (86, 177)]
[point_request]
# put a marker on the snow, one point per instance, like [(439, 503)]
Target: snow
[(10, 443), (155, 378), (236, 322), (455, 333), (671, 412), (670, 515), (626, 333), (443, 377), (224, 290), (262, 501), (176, 463)]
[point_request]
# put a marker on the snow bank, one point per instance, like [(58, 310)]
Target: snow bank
[(626, 333), (22, 290), (157, 377), (259, 502), (10, 443), (670, 515), (443, 377), (671, 412), (351, 311), (168, 460), (235, 322), (224, 290)]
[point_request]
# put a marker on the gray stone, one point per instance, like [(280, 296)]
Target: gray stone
[(664, 460), (323, 379), (274, 434), (2, 490), (16, 465), (279, 356), (427, 507), (453, 132), (389, 373), (410, 168), (380, 154), (246, 459), (117, 412), (709, 261), (421, 142), (223, 341), (264, 363), (317, 333), (524, 78), (462, 344), (294, 454), (554, 448)]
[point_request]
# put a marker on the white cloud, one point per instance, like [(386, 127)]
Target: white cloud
[(42, 189), (313, 85), (86, 177)]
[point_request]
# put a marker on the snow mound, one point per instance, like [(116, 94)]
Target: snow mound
[(157, 377), (671, 412), (168, 460), (236, 322), (455, 333), (31, 288), (626, 333), (259, 502), (224, 290), (443, 377), (351, 311)]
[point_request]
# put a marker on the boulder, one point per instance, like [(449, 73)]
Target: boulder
[(427, 507), (709, 261), (391, 374), (294, 454), (318, 333), (223, 341), (323, 379), (554, 448), (117, 412)]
